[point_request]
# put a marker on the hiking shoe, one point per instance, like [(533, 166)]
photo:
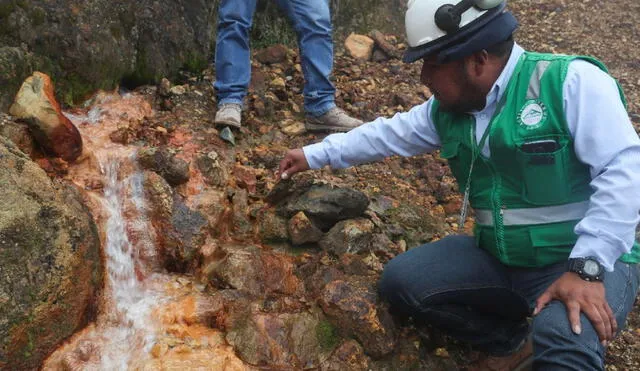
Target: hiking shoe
[(229, 114), (520, 360), (334, 120)]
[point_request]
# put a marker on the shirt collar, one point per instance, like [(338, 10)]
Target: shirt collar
[(498, 88)]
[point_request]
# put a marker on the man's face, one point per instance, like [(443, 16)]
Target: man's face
[(452, 85)]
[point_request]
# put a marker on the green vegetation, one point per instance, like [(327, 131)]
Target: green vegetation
[(195, 63), (142, 73), (271, 26), (327, 335), (37, 15)]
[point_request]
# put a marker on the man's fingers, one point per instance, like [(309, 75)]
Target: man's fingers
[(599, 324), (612, 319), (606, 321), (573, 309), (284, 165), (293, 162), (542, 301)]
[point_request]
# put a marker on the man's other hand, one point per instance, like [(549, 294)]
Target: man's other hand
[(578, 296), (293, 162)]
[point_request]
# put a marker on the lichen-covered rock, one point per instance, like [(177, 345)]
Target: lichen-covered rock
[(50, 266), (325, 205), (348, 356), (173, 169), (18, 133), (251, 270), (283, 340), (352, 307), (349, 236), (272, 227), (15, 65), (302, 230), (183, 237), (213, 169), (139, 41)]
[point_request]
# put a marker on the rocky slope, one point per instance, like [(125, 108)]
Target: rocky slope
[(410, 201)]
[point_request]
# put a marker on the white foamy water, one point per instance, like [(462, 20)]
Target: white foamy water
[(131, 328), (124, 330)]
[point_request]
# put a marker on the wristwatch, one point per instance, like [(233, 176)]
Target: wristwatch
[(589, 268)]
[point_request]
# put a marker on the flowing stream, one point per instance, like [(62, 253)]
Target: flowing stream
[(142, 307)]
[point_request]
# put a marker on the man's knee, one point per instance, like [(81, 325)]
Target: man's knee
[(314, 20), (556, 345), (392, 278)]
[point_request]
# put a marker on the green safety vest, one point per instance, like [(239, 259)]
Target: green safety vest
[(526, 204)]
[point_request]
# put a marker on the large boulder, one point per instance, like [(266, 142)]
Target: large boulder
[(50, 265)]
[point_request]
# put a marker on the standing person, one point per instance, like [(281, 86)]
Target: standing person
[(312, 22), (543, 150)]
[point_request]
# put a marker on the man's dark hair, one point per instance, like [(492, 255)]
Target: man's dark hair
[(501, 49)]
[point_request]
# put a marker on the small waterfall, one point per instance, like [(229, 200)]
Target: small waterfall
[(133, 303), (144, 311)]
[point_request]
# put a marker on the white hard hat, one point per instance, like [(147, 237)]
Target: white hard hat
[(431, 25)]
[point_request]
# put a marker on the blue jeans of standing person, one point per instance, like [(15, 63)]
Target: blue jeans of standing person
[(461, 289), (311, 20)]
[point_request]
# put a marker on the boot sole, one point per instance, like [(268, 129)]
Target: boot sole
[(321, 127), (232, 124)]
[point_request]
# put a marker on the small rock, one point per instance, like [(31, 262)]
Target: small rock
[(246, 178), (174, 170), (278, 82), (178, 90), (441, 352), (302, 230), (349, 236), (359, 46), (379, 56), (273, 54), (382, 43), (164, 88), (293, 129), (36, 104), (227, 135)]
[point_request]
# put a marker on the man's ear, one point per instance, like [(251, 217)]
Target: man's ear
[(477, 64)]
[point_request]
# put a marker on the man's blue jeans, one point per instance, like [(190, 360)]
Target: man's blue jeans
[(311, 20), (456, 286)]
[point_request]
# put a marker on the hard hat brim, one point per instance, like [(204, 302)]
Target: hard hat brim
[(470, 37)]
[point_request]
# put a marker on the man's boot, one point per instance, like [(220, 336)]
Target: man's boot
[(333, 120), (521, 360), (229, 114)]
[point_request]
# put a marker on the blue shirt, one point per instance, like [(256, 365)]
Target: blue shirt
[(603, 138)]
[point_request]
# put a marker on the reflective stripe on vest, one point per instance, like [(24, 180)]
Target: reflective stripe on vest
[(535, 215)]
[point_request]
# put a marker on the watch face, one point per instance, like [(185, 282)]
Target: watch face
[(591, 267)]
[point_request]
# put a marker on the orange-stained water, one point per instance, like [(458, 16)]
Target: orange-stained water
[(147, 319)]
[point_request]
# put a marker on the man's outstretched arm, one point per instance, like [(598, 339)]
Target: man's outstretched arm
[(405, 134)]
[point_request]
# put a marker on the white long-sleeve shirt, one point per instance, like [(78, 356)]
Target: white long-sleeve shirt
[(603, 138)]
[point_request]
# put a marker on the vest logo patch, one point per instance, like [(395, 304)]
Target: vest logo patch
[(532, 115)]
